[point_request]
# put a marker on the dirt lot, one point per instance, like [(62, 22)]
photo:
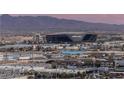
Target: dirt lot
[(15, 38)]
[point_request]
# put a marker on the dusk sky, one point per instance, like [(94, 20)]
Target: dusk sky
[(99, 18)]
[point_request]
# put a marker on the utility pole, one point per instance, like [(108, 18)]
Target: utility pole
[(94, 62)]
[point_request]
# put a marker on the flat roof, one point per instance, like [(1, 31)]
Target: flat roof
[(15, 46), (71, 52)]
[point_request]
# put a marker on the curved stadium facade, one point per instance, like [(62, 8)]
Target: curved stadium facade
[(70, 38)]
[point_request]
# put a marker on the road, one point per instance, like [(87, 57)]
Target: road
[(42, 69)]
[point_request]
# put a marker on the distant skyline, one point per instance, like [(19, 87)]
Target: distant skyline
[(96, 18)]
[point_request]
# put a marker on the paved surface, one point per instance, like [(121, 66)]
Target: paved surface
[(15, 71)]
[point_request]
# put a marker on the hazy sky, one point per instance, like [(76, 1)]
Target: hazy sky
[(102, 18)]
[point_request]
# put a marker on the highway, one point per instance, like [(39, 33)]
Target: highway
[(42, 69)]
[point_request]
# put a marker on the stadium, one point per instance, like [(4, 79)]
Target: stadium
[(71, 38)]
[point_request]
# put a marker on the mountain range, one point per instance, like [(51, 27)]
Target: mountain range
[(47, 23)]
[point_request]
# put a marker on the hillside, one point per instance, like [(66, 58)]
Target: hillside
[(40, 23)]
